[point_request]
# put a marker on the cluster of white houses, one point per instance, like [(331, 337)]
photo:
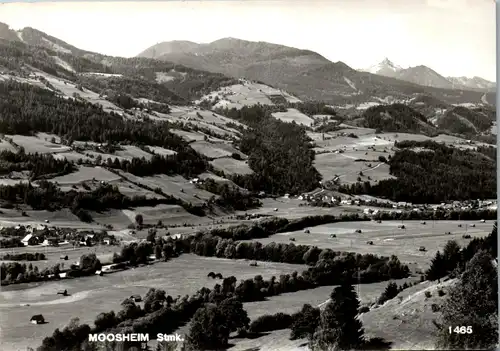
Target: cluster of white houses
[(50, 236)]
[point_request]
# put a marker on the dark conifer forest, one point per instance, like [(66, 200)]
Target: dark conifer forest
[(440, 173)]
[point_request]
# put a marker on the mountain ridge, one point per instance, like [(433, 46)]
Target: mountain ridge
[(305, 73), (426, 76)]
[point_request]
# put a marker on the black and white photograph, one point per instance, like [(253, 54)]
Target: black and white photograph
[(245, 175)]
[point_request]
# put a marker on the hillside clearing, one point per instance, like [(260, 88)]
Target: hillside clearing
[(215, 150), (33, 145), (294, 115), (229, 165), (84, 174)]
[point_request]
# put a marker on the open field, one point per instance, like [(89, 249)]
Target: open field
[(176, 186), (167, 214), (220, 180), (161, 151), (231, 166), (63, 218), (215, 150), (387, 238), (84, 174), (33, 144), (246, 94), (294, 115), (129, 189), (212, 117), (290, 208), (93, 295), (330, 165), (131, 151), (194, 136)]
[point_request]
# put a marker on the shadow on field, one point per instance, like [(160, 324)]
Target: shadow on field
[(377, 344), (256, 335)]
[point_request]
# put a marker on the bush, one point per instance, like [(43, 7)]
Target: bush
[(441, 292), (271, 322), (435, 307), (428, 294)]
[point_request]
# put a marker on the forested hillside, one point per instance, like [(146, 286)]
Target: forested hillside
[(438, 174)]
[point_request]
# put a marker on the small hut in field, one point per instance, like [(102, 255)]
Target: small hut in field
[(37, 319)]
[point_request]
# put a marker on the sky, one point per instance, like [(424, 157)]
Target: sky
[(453, 37)]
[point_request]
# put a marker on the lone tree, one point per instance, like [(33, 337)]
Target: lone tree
[(473, 301), (339, 327), (139, 219), (390, 292)]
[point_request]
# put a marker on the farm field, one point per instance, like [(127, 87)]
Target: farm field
[(176, 186), (193, 136), (63, 218), (161, 151), (343, 165), (129, 189), (231, 166), (246, 94), (33, 144), (215, 150), (212, 117), (131, 151), (294, 115), (84, 174), (387, 238), (291, 209), (93, 295)]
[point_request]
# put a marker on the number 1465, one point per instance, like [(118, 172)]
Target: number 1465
[(460, 330)]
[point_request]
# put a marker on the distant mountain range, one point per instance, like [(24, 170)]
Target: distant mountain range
[(303, 73), (426, 76), (310, 75)]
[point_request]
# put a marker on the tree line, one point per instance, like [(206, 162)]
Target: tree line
[(37, 164), (25, 256), (47, 196), (16, 273)]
